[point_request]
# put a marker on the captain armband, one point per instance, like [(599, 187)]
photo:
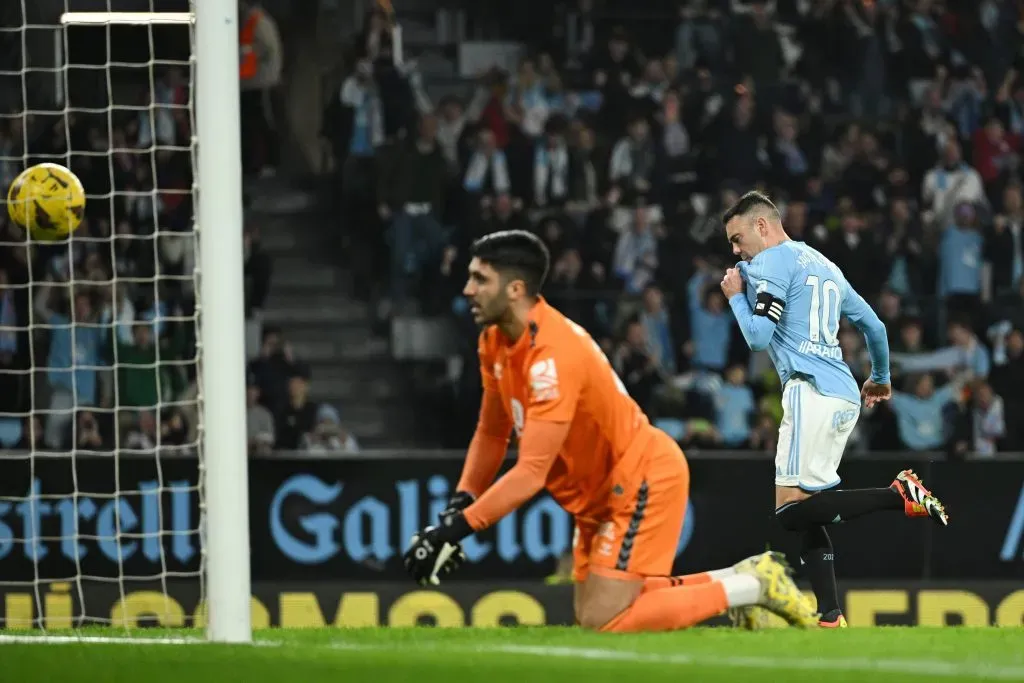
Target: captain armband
[(769, 306)]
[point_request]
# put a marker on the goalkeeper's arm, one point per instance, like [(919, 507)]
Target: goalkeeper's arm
[(487, 449)]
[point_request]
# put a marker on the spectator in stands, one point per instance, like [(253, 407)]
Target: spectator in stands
[(621, 159), (414, 180), (960, 264), (919, 415), (711, 322), (257, 271), (1004, 246), (272, 369), (77, 352), (259, 421), (636, 253), (949, 185), (734, 408), (636, 366), (658, 330), (487, 173), (29, 436), (329, 436), (139, 370), (633, 162), (1007, 380), (451, 126), (139, 432), (261, 66), (358, 130), (10, 343), (86, 434), (297, 418), (987, 420)]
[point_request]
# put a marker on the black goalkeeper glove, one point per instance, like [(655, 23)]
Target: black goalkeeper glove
[(457, 503), (435, 552)]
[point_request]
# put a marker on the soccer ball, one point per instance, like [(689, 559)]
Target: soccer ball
[(48, 200)]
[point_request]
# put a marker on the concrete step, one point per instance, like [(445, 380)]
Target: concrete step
[(343, 336), (270, 199), (362, 371), (381, 422), (289, 277), (328, 350), (306, 313), (278, 241), (329, 384)]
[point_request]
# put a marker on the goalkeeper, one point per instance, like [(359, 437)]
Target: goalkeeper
[(584, 439)]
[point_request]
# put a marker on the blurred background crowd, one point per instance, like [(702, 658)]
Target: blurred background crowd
[(889, 133)]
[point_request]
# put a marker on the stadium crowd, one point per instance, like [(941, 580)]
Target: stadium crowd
[(97, 350), (889, 132)]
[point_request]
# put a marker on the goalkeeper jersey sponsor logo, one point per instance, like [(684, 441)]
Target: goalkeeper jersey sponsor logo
[(543, 381)]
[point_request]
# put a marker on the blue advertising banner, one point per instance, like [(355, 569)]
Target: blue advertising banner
[(330, 519)]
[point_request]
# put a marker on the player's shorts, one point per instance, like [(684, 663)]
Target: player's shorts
[(639, 538), (812, 436)]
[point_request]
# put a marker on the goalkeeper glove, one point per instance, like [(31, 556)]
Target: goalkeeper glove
[(457, 503), (435, 552)]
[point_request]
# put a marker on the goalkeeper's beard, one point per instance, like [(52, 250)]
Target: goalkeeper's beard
[(494, 312)]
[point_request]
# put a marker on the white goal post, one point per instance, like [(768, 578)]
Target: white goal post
[(225, 538)]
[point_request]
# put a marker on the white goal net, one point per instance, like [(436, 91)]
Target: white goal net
[(101, 504)]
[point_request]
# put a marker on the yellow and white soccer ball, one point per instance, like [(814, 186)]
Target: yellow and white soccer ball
[(48, 200)]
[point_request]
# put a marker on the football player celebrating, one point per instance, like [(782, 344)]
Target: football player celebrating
[(588, 443)]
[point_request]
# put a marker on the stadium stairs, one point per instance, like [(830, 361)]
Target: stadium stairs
[(330, 330)]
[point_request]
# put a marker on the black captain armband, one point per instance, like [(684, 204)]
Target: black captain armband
[(769, 306)]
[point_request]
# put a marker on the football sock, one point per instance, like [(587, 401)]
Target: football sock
[(819, 566), (833, 507), (741, 590), (654, 583), (673, 608)]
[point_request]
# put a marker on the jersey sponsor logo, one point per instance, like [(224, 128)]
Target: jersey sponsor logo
[(544, 381)]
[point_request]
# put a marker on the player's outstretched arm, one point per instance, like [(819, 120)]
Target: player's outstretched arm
[(539, 445), (488, 447), (435, 552), (554, 386)]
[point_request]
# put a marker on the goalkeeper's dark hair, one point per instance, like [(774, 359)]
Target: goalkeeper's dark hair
[(749, 203), (517, 255)]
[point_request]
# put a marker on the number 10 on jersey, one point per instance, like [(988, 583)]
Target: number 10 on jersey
[(823, 318)]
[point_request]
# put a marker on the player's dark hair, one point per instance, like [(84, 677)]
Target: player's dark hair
[(749, 203), (518, 254)]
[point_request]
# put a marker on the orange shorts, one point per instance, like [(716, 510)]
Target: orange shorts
[(639, 539)]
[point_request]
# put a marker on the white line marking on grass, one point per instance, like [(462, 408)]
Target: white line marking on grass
[(122, 640), (100, 640), (918, 666)]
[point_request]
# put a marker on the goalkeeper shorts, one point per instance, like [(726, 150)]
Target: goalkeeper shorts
[(639, 538)]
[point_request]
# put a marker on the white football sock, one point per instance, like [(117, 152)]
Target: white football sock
[(719, 574), (741, 590)]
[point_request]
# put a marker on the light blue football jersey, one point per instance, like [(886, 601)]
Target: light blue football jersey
[(814, 294)]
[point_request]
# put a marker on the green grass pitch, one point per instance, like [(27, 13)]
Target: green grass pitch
[(519, 655)]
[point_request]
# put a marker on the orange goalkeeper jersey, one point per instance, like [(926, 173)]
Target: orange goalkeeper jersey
[(556, 373)]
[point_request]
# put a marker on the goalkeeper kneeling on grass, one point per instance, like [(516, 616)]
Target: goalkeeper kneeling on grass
[(588, 443)]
